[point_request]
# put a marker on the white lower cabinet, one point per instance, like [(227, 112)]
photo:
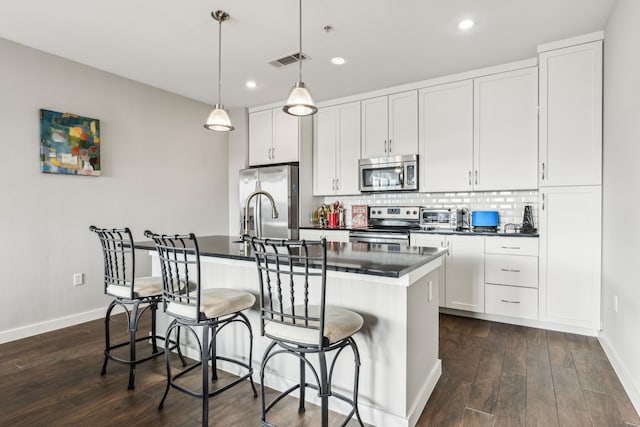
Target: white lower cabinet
[(462, 273), (465, 273), (511, 301), (330, 235), (511, 276), (570, 255), (493, 275)]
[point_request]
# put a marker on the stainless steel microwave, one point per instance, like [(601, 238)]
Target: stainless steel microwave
[(399, 173)]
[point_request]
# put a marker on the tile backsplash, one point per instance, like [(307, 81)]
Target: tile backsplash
[(509, 204)]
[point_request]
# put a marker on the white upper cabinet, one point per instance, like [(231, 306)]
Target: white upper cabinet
[(390, 125), (446, 137), (506, 131), (571, 116), (337, 150), (273, 137), (480, 134)]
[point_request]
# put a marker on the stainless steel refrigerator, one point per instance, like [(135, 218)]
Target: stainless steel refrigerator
[(282, 183)]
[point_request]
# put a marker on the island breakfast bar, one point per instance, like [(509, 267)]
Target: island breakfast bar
[(395, 292)]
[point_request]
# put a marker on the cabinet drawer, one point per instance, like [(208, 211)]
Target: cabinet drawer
[(330, 235), (511, 245), (511, 270), (511, 301)]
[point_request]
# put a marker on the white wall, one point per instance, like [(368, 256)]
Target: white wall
[(621, 175), (161, 169)]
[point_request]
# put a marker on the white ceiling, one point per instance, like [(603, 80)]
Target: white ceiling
[(172, 44)]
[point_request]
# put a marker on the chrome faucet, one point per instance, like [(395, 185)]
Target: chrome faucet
[(274, 211)]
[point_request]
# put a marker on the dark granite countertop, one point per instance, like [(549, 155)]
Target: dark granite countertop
[(476, 233), (463, 233), (362, 258)]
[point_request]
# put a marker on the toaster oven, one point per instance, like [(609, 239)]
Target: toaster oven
[(444, 219)]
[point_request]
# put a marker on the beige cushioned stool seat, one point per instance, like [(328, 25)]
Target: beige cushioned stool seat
[(144, 287), (339, 323), (214, 302)]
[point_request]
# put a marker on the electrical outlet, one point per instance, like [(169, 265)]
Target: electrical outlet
[(615, 303), (430, 290), (78, 279)]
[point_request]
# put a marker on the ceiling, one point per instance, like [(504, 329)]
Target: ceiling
[(173, 45)]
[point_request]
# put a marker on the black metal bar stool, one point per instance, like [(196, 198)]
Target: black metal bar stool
[(192, 306), (135, 295), (289, 272)]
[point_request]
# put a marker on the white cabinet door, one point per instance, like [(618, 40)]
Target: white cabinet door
[(260, 137), (375, 127), (570, 255), (337, 150), (403, 124), (506, 130), (446, 137), (348, 151), (285, 137), (325, 151), (571, 116), (434, 241), (273, 137), (465, 273)]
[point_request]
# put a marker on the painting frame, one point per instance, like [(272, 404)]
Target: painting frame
[(69, 144)]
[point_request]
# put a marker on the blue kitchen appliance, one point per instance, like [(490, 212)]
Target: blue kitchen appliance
[(484, 220)]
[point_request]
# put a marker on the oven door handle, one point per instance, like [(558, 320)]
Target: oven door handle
[(373, 237)]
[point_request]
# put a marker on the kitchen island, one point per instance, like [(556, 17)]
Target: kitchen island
[(395, 292)]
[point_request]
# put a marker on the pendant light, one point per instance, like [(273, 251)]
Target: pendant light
[(218, 119), (300, 102)]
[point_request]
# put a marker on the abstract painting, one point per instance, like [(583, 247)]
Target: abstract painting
[(69, 144)]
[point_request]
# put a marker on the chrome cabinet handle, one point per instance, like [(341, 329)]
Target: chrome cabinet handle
[(510, 247), (542, 201), (448, 248), (476, 177), (543, 171), (385, 145), (469, 177), (509, 271), (273, 153), (337, 184), (510, 302), (389, 145)]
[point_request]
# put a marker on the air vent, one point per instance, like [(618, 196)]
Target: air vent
[(288, 60)]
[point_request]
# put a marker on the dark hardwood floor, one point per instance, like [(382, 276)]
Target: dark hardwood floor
[(493, 375)]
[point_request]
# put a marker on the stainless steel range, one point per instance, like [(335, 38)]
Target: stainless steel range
[(388, 225)]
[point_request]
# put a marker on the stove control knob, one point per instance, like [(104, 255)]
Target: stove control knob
[(408, 212), (415, 212)]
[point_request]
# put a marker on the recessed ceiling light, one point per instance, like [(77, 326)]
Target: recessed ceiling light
[(465, 24), (338, 61), (251, 84)]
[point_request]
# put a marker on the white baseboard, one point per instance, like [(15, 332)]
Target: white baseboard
[(632, 389), (50, 325), (531, 323), (425, 393)]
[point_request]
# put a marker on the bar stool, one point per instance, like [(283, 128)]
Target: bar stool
[(290, 274), (192, 306), (135, 295)]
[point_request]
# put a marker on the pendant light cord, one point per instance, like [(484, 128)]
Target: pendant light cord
[(220, 61), (300, 33)]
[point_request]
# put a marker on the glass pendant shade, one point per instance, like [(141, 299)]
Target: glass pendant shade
[(300, 102), (219, 120)]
